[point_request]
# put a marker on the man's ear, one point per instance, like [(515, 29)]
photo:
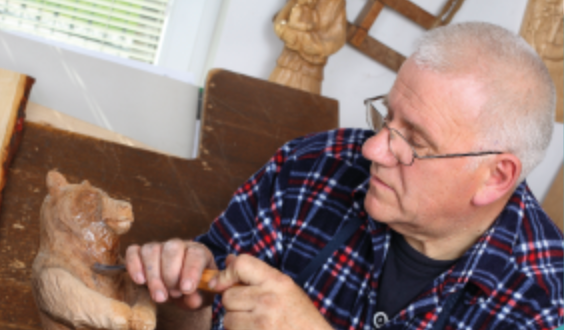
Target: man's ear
[(500, 178)]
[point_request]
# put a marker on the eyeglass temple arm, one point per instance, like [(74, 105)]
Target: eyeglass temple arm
[(460, 155)]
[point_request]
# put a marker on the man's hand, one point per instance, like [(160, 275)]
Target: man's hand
[(171, 270), (267, 299)]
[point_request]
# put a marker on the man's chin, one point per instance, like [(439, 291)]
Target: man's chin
[(380, 210)]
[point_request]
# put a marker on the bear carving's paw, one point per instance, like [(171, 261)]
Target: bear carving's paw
[(120, 323), (122, 313), (142, 318)]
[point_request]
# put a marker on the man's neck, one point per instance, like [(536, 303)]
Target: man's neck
[(454, 244), (448, 248)]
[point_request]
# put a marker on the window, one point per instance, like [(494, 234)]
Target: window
[(126, 28)]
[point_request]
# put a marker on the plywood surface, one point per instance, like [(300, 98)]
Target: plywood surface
[(244, 122)]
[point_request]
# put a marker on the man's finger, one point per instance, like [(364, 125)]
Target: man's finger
[(151, 254), (243, 269), (134, 264), (196, 259), (171, 263)]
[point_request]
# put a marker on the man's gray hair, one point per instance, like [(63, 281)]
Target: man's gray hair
[(519, 112)]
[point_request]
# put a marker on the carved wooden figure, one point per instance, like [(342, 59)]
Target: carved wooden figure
[(303, 16), (543, 28), (79, 226), (311, 30)]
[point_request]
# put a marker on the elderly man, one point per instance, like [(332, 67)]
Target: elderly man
[(426, 224)]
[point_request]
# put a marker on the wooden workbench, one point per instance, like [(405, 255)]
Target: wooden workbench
[(244, 121)]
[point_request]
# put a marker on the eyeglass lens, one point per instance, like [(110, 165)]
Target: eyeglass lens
[(399, 147)]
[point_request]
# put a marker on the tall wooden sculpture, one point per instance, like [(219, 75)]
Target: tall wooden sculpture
[(311, 30), (543, 29)]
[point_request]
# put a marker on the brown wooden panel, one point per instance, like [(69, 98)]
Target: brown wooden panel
[(377, 50), (245, 120)]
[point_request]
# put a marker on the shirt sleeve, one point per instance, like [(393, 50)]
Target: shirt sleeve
[(251, 222)]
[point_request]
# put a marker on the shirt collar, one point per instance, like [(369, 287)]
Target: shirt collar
[(485, 262), (489, 255)]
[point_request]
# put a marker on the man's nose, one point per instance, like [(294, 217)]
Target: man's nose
[(377, 149)]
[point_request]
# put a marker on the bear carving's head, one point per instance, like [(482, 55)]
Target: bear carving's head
[(86, 210)]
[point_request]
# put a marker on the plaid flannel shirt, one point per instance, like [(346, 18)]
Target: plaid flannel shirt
[(290, 209)]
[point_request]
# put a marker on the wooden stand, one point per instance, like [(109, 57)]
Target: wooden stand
[(244, 121), (357, 32)]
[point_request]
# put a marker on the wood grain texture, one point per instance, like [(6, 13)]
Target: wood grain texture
[(543, 29), (244, 121), (311, 30)]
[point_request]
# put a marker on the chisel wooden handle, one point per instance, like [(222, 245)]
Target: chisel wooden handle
[(112, 270), (207, 275)]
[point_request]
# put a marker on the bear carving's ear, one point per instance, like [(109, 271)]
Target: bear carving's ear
[(86, 184), (55, 181)]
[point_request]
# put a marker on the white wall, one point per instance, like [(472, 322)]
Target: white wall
[(248, 45), (188, 35), (150, 105), (157, 106)]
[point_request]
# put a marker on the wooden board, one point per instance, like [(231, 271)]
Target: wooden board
[(14, 92), (39, 114), (543, 29), (244, 121)]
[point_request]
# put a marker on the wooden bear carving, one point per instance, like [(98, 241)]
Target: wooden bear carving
[(80, 225)]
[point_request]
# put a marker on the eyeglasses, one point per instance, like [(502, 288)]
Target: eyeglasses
[(377, 117)]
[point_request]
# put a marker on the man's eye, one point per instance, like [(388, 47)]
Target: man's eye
[(416, 144)]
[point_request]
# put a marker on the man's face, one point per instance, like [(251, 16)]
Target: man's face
[(437, 113)]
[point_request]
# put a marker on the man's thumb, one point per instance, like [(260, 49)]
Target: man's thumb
[(227, 277)]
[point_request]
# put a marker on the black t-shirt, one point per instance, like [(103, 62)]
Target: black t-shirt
[(405, 274)]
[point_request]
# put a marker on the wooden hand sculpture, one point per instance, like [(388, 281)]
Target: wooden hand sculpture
[(311, 30), (80, 225)]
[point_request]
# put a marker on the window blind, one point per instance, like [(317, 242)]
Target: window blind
[(126, 28)]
